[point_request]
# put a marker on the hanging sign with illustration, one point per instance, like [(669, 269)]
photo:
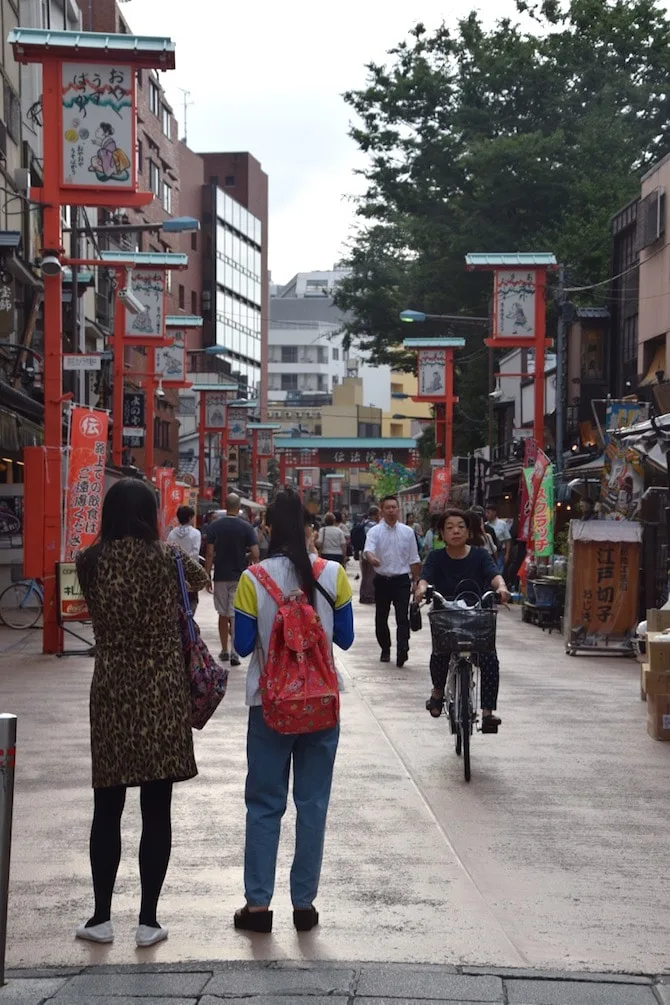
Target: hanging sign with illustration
[(171, 361), (514, 303), (215, 411), (98, 125), (237, 425), (432, 373), (265, 443), (149, 288)]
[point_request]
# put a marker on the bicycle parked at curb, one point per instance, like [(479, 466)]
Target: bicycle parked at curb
[(21, 604), (464, 631)]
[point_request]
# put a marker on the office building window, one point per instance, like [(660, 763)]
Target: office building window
[(182, 298), (289, 354), (167, 197), (321, 382), (194, 302), (154, 178), (230, 180), (368, 429), (336, 354), (165, 119), (289, 382), (194, 241), (12, 113), (322, 354), (154, 98), (161, 434)]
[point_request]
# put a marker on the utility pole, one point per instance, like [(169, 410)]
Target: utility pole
[(560, 372), (187, 104)]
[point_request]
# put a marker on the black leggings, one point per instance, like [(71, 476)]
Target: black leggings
[(489, 669), (155, 846)]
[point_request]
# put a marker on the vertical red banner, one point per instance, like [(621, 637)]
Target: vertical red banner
[(165, 483), (85, 479)]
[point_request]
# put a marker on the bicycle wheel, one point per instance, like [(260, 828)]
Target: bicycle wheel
[(465, 712), (20, 606)]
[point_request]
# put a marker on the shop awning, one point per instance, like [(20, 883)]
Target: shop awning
[(657, 365)]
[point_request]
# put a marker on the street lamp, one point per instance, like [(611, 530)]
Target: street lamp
[(410, 317), (175, 225)]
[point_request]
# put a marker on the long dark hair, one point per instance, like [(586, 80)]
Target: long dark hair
[(289, 518), (475, 522), (129, 510)]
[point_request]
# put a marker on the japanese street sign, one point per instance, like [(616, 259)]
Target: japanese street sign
[(134, 413), (86, 478), (171, 361), (237, 425), (432, 373), (98, 122), (149, 288), (214, 403), (264, 443), (330, 457), (514, 303), (80, 362)]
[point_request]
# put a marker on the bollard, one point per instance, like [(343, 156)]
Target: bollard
[(7, 763)]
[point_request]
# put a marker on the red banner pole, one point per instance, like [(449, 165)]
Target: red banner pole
[(201, 444), (330, 496), (282, 471), (254, 464), (52, 635), (449, 402), (119, 368), (540, 322), (151, 413), (224, 464)]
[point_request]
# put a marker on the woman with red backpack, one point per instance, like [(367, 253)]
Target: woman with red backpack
[(289, 610)]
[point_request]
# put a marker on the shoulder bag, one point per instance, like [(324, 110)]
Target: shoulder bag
[(207, 679)]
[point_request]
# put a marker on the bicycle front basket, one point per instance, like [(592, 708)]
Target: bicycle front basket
[(463, 629)]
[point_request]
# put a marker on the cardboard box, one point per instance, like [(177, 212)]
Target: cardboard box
[(654, 683), (658, 653), (658, 717), (643, 670), (658, 621)]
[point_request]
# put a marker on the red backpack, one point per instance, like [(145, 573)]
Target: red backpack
[(298, 684)]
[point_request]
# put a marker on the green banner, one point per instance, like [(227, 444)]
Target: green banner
[(543, 517)]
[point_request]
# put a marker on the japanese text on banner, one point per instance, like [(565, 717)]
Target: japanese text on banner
[(85, 480)]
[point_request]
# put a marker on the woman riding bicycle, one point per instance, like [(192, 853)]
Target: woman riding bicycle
[(462, 563)]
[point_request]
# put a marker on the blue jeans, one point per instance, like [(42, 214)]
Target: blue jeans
[(269, 756)]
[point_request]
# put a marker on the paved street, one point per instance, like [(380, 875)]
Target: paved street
[(554, 857)]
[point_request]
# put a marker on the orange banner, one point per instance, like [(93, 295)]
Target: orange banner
[(440, 488), (85, 479), (170, 495)]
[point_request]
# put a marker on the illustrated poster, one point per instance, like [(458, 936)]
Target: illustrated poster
[(98, 125)]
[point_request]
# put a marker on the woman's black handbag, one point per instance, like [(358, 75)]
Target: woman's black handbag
[(415, 617)]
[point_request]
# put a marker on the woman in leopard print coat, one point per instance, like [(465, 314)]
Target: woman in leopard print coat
[(140, 705)]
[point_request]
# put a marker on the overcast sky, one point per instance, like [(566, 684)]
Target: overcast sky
[(268, 77)]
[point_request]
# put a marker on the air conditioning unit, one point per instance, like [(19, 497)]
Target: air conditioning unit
[(651, 219)]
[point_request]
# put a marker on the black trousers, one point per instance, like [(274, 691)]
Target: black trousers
[(392, 590), (489, 671)]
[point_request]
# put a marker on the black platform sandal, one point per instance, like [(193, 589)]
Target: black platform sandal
[(434, 706), (253, 921), (305, 919)]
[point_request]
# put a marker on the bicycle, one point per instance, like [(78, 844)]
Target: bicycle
[(463, 632), (21, 604)]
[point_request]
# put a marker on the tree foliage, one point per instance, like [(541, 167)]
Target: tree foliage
[(502, 139)]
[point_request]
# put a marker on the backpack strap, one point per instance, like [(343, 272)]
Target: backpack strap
[(268, 584)]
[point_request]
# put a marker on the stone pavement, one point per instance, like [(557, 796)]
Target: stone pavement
[(326, 984)]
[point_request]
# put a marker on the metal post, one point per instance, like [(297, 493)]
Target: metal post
[(254, 464), (7, 763), (224, 462), (150, 407), (282, 470), (119, 373), (449, 402), (560, 374), (540, 331), (201, 444)]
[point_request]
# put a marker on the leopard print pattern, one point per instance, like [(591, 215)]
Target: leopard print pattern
[(140, 704)]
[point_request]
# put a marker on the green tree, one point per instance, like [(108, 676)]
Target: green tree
[(505, 139)]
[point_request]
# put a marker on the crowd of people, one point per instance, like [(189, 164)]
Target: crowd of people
[(280, 586)]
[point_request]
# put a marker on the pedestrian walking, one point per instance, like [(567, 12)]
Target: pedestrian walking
[(187, 537), (501, 533), (391, 549), (367, 591), (231, 541), (289, 571), (346, 530), (140, 703), (331, 541)]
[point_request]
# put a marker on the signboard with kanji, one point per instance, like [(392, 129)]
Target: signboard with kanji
[(71, 603), (85, 479), (514, 295), (349, 457), (214, 403), (432, 373), (265, 443), (134, 414), (149, 288), (98, 125), (171, 360), (237, 425)]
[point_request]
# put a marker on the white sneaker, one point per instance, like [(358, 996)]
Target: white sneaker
[(147, 936), (96, 933)]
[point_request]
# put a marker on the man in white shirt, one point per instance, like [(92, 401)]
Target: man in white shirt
[(390, 547)]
